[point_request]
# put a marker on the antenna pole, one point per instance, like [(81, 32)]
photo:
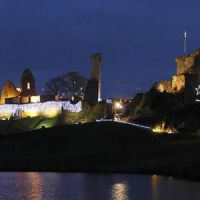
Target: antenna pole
[(185, 41)]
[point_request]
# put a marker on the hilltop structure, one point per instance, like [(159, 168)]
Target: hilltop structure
[(93, 88), (24, 101), (27, 84), (8, 91), (24, 94), (186, 80)]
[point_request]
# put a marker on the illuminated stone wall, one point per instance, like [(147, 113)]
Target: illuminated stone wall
[(189, 63), (8, 91), (187, 77), (47, 109), (163, 86), (184, 64), (178, 83)]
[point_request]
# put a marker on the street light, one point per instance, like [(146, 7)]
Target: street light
[(117, 109), (118, 105)]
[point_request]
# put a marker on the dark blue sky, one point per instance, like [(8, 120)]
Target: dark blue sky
[(138, 39)]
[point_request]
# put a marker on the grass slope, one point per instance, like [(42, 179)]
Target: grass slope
[(101, 147)]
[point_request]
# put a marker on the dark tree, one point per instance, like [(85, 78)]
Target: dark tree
[(68, 85), (75, 84)]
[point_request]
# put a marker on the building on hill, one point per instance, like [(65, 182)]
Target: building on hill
[(186, 80), (93, 87), (27, 84), (24, 101), (8, 91), (163, 85), (26, 93)]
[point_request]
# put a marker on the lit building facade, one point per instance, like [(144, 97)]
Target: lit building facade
[(186, 79), (25, 102)]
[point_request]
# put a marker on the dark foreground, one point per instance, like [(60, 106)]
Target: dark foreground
[(102, 147)]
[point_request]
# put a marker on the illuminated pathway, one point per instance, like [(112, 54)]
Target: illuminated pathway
[(123, 122)]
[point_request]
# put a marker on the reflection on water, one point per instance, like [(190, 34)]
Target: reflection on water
[(30, 182), (80, 186), (155, 182), (119, 191), (35, 182)]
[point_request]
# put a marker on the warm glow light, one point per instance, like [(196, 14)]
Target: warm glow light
[(50, 113), (155, 183), (35, 186), (119, 191), (35, 99), (50, 108), (118, 105), (32, 113), (18, 89), (28, 86), (161, 128)]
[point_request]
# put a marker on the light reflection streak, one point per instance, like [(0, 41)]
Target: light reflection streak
[(119, 191), (35, 186), (155, 184)]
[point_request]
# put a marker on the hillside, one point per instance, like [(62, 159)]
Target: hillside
[(154, 107), (101, 147)]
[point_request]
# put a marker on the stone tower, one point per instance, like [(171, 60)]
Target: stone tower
[(93, 88), (27, 83), (186, 80), (188, 76)]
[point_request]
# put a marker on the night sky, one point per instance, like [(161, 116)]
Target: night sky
[(138, 39)]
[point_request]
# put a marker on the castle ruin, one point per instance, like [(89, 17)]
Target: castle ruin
[(93, 88), (186, 80)]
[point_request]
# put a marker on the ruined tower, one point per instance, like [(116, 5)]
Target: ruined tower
[(27, 83), (188, 71), (93, 88), (186, 80)]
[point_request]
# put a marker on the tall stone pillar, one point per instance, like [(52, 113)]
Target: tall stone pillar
[(93, 88)]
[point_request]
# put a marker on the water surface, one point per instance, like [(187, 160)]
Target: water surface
[(80, 186)]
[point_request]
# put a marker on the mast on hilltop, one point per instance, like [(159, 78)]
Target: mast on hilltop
[(185, 41)]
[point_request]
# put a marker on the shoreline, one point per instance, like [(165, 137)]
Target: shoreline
[(182, 178)]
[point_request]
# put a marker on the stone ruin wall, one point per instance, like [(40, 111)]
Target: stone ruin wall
[(184, 64), (178, 83), (189, 64), (186, 79), (46, 109), (8, 91), (163, 86)]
